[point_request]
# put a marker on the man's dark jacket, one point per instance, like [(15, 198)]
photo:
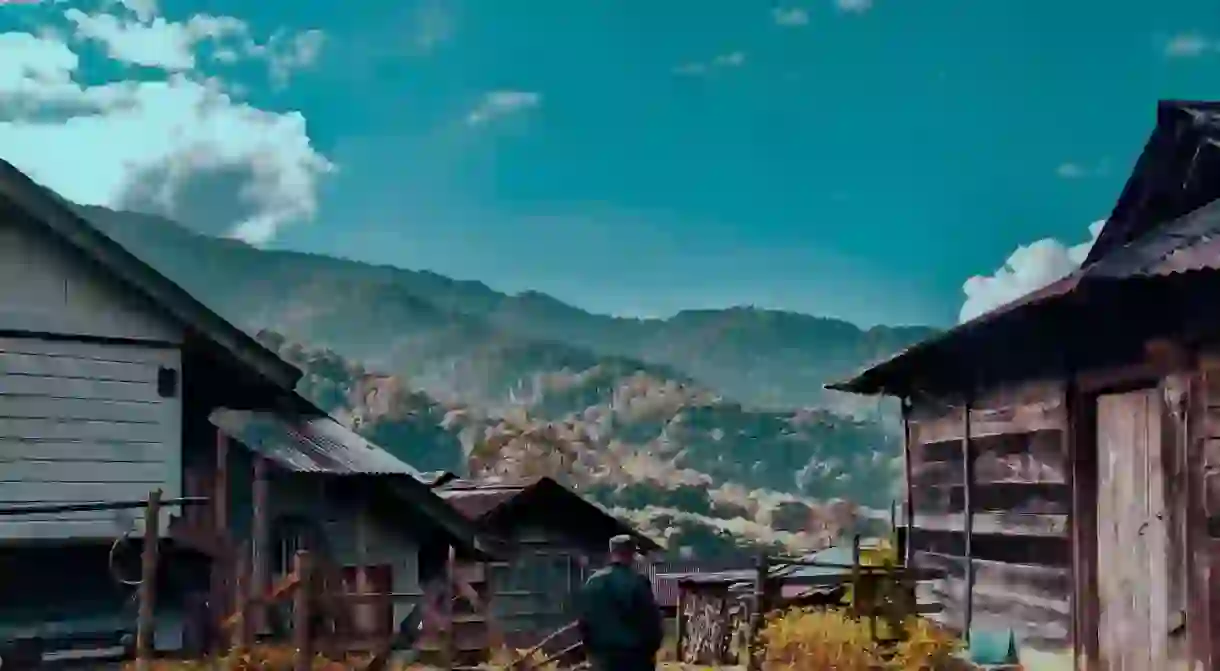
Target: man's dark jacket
[(619, 617)]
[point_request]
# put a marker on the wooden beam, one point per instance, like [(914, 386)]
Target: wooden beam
[(908, 511), (148, 582), (259, 561), (968, 509)]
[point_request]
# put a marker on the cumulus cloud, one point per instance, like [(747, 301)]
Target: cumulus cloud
[(181, 146), (1027, 269), (790, 16), (1190, 45), (1074, 170), (497, 104), (156, 43), (732, 59), (854, 6)]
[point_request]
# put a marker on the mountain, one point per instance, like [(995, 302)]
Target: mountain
[(463, 340), (706, 428), (683, 464)]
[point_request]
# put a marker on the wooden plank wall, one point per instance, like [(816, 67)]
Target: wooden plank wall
[(1203, 535), (1019, 504)]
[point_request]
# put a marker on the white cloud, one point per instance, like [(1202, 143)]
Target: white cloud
[(143, 9), (732, 59), (1190, 45), (1074, 170), (1027, 269), (286, 55), (179, 146), (498, 104), (790, 16), (156, 43), (854, 6)]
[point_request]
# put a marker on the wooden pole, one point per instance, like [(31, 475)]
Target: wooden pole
[(762, 573), (680, 624), (261, 543), (908, 506), (148, 582), (855, 575), (241, 599), (302, 617), (220, 593), (968, 522)]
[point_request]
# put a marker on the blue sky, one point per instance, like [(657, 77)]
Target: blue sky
[(853, 159)]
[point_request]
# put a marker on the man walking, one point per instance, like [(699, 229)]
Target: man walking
[(619, 618)]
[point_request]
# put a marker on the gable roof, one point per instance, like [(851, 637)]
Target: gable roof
[(1176, 173), (1166, 221), (488, 502), (50, 211), (307, 440)]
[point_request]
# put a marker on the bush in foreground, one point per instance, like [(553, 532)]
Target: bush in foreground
[(805, 639)]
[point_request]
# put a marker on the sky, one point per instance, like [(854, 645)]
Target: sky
[(881, 161)]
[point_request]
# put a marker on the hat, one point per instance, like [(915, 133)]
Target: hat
[(623, 544)]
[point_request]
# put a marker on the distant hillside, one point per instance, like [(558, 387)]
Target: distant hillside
[(670, 456), (463, 340), (709, 425)]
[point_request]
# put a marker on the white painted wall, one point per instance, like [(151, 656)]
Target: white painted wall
[(46, 287), (84, 422)]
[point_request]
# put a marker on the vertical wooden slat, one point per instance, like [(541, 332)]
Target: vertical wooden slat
[(241, 598), (261, 543), (968, 522), (762, 571), (908, 508), (148, 582), (1082, 426), (1156, 536), (302, 615), (1198, 560)]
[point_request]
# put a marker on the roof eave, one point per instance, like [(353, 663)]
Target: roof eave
[(43, 205)]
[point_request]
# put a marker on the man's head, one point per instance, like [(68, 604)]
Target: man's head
[(622, 550)]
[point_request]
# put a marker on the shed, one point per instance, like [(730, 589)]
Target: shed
[(109, 375), (1060, 459), (554, 539)]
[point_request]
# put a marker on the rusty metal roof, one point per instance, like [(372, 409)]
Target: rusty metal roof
[(476, 499), (309, 443)]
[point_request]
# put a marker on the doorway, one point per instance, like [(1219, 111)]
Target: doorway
[(1135, 456)]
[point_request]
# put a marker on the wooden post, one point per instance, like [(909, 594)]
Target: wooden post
[(680, 624), (855, 575), (968, 522), (761, 576), (446, 615), (241, 599), (148, 582), (908, 507), (302, 615), (366, 624), (261, 543), (219, 597)]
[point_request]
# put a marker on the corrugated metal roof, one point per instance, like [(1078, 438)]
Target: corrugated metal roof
[(308, 443), (1189, 244), (476, 499)]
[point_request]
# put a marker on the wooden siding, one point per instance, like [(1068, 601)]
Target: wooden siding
[(991, 491), (46, 288), (304, 495), (85, 422)]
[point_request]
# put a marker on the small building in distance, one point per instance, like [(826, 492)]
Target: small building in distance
[(552, 539), (1062, 460)]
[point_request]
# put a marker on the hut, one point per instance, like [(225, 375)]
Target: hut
[(550, 539), (1061, 460)]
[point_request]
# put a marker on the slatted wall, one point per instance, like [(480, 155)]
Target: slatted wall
[(990, 490)]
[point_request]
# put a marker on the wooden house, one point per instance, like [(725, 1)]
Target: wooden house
[(552, 540), (1061, 453), (115, 382)]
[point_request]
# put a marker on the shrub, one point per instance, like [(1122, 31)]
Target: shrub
[(807, 639)]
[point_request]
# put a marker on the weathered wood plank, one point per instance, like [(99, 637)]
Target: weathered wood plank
[(1045, 580), (1025, 457), (86, 431), (1038, 416), (43, 386), (1053, 499), (92, 451), (81, 471), (144, 353), (1040, 550), (1013, 524), (60, 492), (82, 409), (1039, 626), (14, 363)]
